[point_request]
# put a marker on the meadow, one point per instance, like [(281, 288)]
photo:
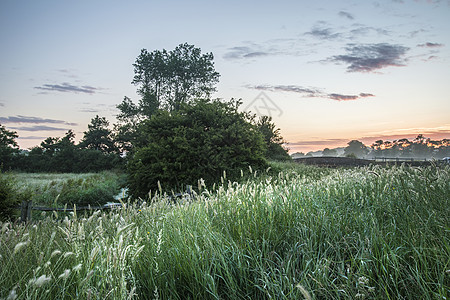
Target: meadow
[(58, 190), (293, 232)]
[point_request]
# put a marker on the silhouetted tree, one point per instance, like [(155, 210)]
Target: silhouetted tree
[(99, 136), (329, 152), (272, 138), (298, 155), (8, 147), (170, 78), (165, 80), (356, 148)]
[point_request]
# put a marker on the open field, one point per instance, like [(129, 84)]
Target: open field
[(369, 232), (57, 190)]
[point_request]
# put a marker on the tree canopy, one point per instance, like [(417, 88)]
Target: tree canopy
[(170, 78), (198, 141), (99, 136), (329, 152), (272, 138), (356, 148), (8, 146)]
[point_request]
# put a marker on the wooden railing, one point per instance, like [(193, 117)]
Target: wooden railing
[(27, 206)]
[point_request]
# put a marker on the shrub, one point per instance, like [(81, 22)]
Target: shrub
[(201, 140)]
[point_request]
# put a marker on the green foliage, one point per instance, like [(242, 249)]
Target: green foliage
[(166, 80), (62, 155), (57, 190), (351, 155), (201, 140), (273, 139), (125, 130), (329, 152), (8, 198), (363, 233), (8, 147), (99, 136), (358, 149), (420, 147), (171, 78)]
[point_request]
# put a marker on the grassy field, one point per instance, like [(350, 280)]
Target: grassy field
[(303, 233), (57, 190)]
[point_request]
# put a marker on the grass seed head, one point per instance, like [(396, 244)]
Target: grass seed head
[(20, 246), (56, 252), (67, 254), (77, 268), (65, 274), (12, 295), (40, 281), (304, 292)]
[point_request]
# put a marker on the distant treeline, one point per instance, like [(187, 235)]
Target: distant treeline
[(95, 152), (420, 147)]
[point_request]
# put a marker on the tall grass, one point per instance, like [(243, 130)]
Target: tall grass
[(372, 233), (57, 190)]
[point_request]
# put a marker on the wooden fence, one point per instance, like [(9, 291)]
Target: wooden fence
[(27, 206)]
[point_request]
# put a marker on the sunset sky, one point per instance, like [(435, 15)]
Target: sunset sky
[(326, 71)]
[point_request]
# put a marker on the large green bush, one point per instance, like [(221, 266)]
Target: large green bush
[(199, 141)]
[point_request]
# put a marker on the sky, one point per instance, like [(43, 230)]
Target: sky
[(327, 72)]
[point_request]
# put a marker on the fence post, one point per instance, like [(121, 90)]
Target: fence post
[(25, 212)]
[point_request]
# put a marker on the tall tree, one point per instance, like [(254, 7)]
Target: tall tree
[(99, 136), (165, 80), (356, 148), (8, 146), (170, 78), (125, 130), (272, 138)]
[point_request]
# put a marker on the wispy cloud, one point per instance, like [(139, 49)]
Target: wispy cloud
[(90, 110), (323, 33), (244, 52), (68, 88), (32, 137), (371, 57), (309, 92), (251, 50), (347, 15), (67, 73), (97, 108), (33, 120), (340, 97), (431, 45), (39, 128), (363, 30)]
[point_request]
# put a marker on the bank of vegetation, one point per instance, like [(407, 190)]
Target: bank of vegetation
[(371, 232)]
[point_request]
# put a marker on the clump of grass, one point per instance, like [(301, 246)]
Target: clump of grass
[(372, 233)]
